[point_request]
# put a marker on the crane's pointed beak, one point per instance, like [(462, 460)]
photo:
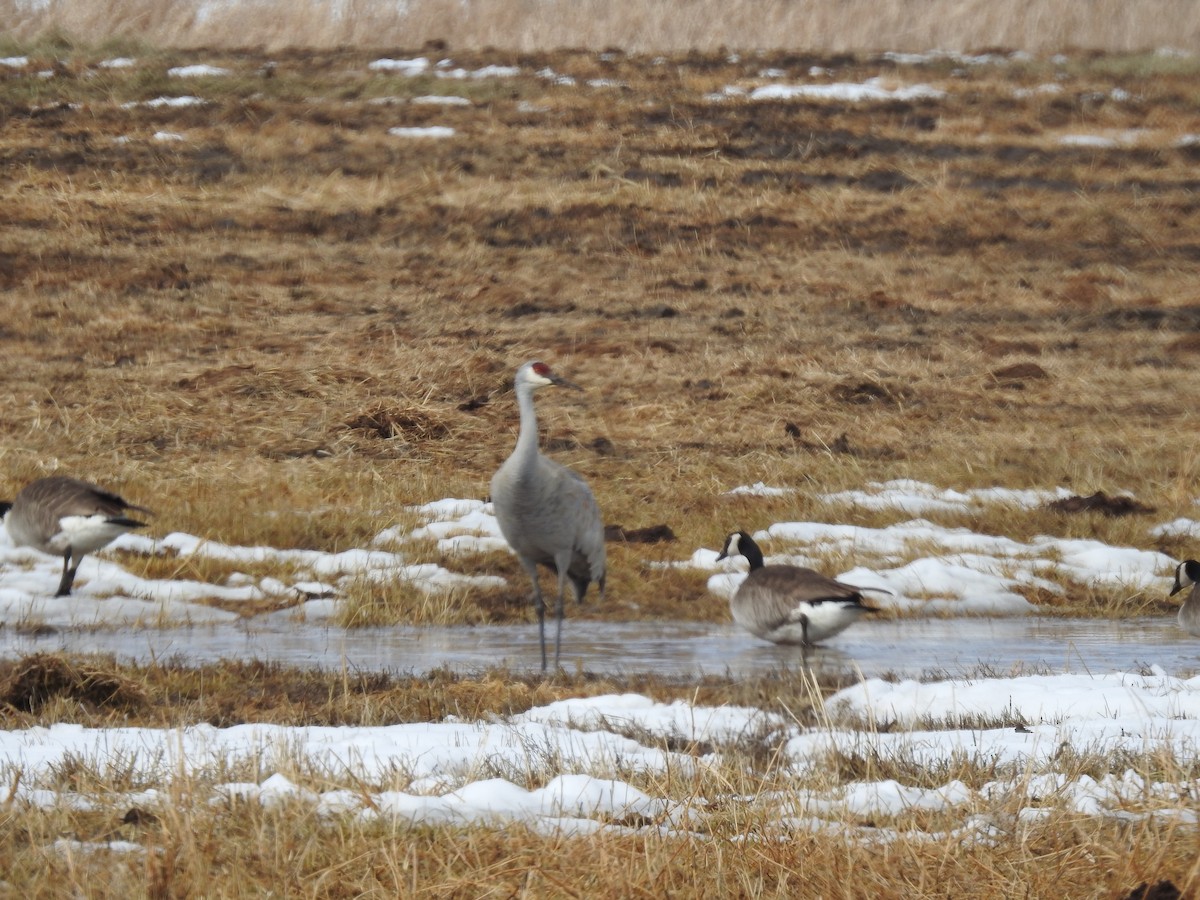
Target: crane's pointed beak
[(562, 382)]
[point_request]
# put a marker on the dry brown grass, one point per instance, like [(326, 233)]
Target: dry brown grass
[(290, 326), (290, 849), (705, 25)]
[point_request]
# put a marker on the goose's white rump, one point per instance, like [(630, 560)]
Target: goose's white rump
[(69, 518)]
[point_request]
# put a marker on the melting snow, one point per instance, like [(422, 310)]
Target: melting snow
[(198, 71), (429, 131), (430, 773), (409, 67), (172, 102), (437, 100), (872, 90)]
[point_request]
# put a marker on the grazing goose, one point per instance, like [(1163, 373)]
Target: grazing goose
[(1188, 574), (546, 512), (69, 518), (789, 604)]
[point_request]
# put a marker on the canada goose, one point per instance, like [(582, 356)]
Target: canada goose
[(790, 604), (1188, 573), (546, 512), (68, 518)]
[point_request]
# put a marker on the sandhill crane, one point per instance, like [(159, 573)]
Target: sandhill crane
[(546, 512), (69, 518), (790, 604), (1188, 573)]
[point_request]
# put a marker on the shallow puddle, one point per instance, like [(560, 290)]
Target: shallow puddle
[(909, 647)]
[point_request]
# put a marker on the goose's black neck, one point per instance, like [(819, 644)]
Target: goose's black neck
[(749, 549)]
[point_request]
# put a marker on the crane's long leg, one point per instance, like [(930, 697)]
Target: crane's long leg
[(539, 604), (562, 565), (68, 575)]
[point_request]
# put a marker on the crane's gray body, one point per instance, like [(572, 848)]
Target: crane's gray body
[(547, 513), (69, 518)]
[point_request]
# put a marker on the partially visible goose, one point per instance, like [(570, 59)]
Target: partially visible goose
[(1188, 574), (790, 604), (68, 518)]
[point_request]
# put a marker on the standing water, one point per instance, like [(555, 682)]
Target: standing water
[(906, 648)]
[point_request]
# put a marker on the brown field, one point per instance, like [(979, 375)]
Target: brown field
[(289, 325)]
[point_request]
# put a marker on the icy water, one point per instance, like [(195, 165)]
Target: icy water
[(911, 647)]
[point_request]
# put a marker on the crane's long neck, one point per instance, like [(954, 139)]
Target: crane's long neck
[(527, 438)]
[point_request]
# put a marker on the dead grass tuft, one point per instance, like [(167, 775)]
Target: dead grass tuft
[(35, 681), (1102, 503), (651, 534), (412, 424)]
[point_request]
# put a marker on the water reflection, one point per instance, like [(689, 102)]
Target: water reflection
[(909, 647)]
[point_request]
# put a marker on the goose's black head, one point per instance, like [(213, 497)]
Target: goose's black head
[(1186, 573), (738, 542)]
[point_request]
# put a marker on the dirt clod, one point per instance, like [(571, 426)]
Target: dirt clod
[(1101, 502)]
